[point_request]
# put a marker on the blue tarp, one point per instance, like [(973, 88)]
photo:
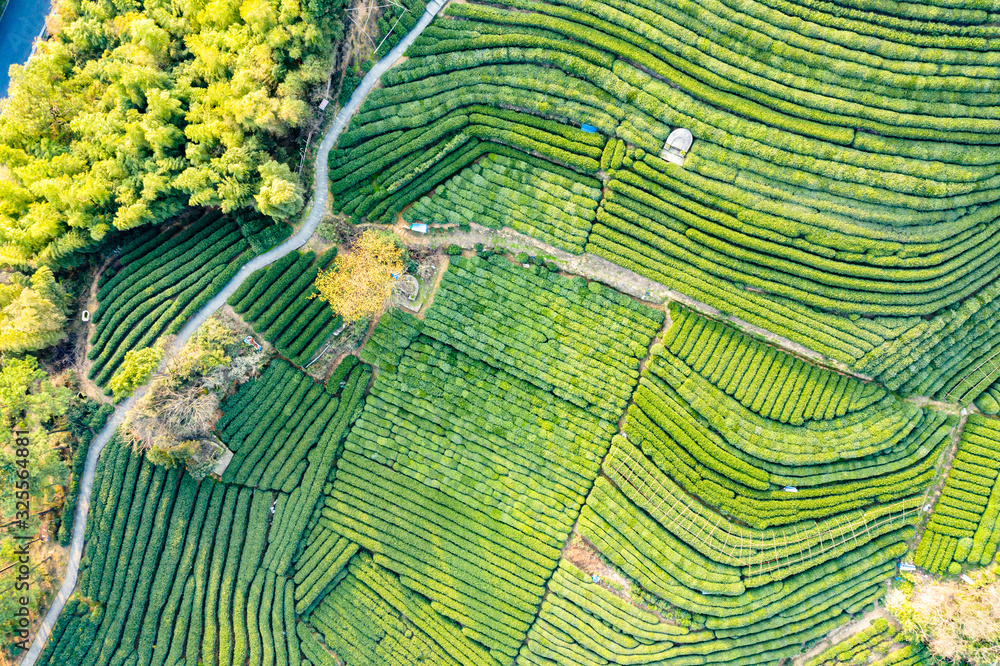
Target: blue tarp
[(588, 128)]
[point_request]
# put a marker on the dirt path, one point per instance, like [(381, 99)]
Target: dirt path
[(944, 467), (844, 632), (84, 332), (938, 405), (581, 553), (442, 266), (622, 279)]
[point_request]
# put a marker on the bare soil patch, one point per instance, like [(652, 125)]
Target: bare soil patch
[(844, 632), (580, 553)]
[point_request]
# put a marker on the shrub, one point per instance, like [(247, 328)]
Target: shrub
[(138, 366)]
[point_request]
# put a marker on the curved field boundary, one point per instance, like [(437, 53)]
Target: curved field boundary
[(293, 243), (772, 549)]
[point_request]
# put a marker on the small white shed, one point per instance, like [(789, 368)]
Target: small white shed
[(677, 145)]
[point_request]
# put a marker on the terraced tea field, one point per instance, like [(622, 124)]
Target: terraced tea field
[(841, 190), (538, 470)]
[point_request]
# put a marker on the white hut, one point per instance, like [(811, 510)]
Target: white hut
[(677, 146)]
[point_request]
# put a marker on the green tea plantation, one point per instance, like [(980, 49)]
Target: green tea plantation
[(704, 367)]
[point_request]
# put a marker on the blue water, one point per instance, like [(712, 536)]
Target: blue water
[(20, 24)]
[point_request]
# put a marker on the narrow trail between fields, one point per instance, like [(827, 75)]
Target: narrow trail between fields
[(944, 469), (619, 278), (586, 265), (321, 190)]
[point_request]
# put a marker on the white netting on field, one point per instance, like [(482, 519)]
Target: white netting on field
[(977, 379)]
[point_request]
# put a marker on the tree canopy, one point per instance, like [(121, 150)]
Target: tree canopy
[(36, 408), (52, 420), (31, 312), (172, 422), (133, 110), (959, 623), (27, 399), (138, 366), (362, 278)]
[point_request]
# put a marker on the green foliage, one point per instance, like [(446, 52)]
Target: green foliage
[(32, 314), (963, 526), (601, 369), (28, 401), (407, 627), (468, 465), (149, 111), (691, 509), (261, 232), (136, 369), (795, 391), (285, 540), (273, 432), (73, 634), (589, 622), (279, 302), (175, 569), (279, 196), (347, 87), (395, 331), (339, 377), (395, 22), (159, 285), (989, 402), (86, 419), (44, 415), (877, 639), (321, 567), (832, 195), (841, 193)]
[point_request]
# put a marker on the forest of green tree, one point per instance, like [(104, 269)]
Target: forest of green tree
[(132, 111)]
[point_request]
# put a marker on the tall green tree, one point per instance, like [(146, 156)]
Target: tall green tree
[(37, 409), (133, 110), (31, 312)]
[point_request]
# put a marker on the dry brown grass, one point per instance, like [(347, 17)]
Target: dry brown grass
[(362, 29), (174, 420), (169, 413), (957, 621)]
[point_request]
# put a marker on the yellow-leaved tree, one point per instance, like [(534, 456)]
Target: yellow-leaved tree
[(138, 366), (31, 312), (361, 279), (958, 622)]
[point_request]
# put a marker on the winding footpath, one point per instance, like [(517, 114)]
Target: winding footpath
[(621, 279), (293, 243)]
